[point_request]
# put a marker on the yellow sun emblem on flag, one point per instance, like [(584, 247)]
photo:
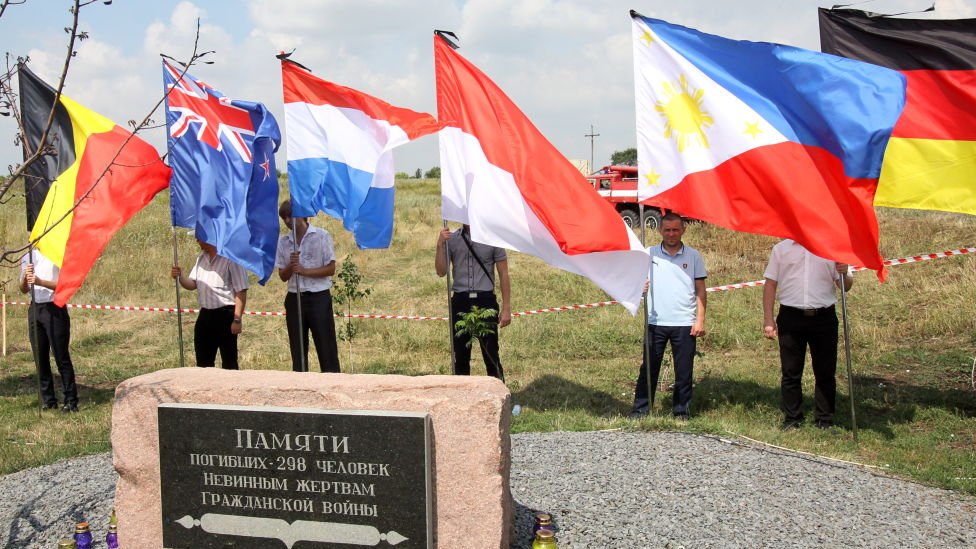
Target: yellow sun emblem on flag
[(685, 119)]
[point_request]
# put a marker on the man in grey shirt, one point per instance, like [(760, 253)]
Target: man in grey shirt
[(473, 267)]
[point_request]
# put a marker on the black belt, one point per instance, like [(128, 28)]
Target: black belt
[(472, 294), (320, 292), (808, 312)]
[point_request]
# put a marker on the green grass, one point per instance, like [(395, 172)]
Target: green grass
[(913, 340)]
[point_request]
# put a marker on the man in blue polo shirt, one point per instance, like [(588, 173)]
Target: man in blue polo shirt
[(675, 313)]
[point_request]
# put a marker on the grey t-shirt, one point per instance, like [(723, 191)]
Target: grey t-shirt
[(468, 275)]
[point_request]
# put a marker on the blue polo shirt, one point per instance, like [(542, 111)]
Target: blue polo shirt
[(672, 298)]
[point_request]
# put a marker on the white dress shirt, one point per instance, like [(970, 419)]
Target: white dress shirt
[(316, 250), (218, 279), (44, 269), (803, 280)]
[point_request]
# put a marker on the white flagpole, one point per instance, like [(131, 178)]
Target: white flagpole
[(3, 319)]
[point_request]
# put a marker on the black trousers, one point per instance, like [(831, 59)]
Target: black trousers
[(797, 331), (317, 318), (212, 333), (461, 303), (683, 348), (52, 333)]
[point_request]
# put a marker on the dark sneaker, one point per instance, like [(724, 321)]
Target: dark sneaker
[(822, 424), (792, 424), (636, 415), (50, 406), (69, 409)]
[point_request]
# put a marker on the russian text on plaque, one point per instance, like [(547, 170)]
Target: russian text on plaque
[(261, 477)]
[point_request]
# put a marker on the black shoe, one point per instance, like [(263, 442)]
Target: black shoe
[(822, 424), (636, 415), (69, 409), (792, 424), (50, 405)]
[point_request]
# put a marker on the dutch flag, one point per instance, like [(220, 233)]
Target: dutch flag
[(340, 152)]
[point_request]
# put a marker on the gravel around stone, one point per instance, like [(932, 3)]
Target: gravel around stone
[(612, 490)]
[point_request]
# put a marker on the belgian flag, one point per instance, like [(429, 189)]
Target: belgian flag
[(930, 162), (89, 167)]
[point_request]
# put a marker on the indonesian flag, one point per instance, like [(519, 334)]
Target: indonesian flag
[(503, 178)]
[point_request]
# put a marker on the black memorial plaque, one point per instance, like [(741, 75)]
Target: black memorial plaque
[(263, 478)]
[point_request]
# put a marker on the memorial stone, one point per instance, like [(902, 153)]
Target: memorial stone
[(450, 431)]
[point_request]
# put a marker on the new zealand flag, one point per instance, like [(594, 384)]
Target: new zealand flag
[(224, 183)]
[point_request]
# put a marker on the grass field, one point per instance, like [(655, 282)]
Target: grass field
[(913, 342)]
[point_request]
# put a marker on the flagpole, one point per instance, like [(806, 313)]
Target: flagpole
[(647, 343), (179, 307), (3, 318), (847, 350), (298, 296), (36, 342), (450, 307)]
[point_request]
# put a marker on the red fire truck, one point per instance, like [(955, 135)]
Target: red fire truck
[(618, 186)]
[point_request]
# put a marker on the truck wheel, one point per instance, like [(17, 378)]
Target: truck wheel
[(630, 217), (652, 219)]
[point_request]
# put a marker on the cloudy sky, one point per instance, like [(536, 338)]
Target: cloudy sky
[(566, 63)]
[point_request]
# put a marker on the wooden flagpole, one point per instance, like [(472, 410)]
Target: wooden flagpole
[(847, 350), (647, 342), (298, 297), (179, 308), (450, 307)]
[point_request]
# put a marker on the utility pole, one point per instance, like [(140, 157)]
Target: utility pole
[(591, 135)]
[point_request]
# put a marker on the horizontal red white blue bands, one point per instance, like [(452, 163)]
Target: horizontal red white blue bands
[(723, 288), (301, 87)]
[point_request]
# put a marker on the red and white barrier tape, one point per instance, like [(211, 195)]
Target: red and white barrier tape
[(727, 287), (887, 263)]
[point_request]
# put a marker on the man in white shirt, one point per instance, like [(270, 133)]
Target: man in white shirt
[(805, 285), (675, 314), (50, 330), (310, 269), (221, 287)]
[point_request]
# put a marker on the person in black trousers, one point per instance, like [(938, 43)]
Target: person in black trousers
[(473, 267), (50, 330), (308, 272), (221, 287), (804, 284)]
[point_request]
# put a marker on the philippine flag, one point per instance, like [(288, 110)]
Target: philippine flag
[(340, 152), (763, 138), (503, 178)]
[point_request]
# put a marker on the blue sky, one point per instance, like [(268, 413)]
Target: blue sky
[(566, 63)]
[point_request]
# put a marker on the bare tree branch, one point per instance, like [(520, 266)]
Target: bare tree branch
[(41, 144), (10, 256), (5, 3)]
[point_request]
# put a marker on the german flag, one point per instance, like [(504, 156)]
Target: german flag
[(930, 162), (91, 169)]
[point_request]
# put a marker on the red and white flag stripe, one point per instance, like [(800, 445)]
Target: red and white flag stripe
[(502, 177)]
